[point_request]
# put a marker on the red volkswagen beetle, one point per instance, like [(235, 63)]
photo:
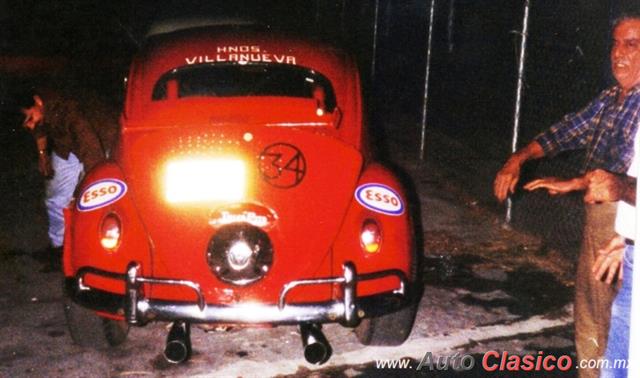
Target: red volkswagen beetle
[(241, 191)]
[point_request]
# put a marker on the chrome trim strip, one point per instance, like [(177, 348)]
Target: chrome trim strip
[(133, 282), (192, 285), (139, 310), (293, 284), (349, 297), (402, 290), (132, 291), (298, 124), (247, 313), (250, 313)]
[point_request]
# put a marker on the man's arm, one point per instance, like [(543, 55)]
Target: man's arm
[(508, 176), (571, 133), (604, 186), (44, 163), (88, 145), (555, 185)]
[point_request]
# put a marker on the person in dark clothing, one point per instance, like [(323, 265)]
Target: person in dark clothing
[(67, 145)]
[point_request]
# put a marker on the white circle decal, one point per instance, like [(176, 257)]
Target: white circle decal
[(101, 193), (380, 198)]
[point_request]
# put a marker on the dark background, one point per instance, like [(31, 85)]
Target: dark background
[(473, 64), (87, 45)]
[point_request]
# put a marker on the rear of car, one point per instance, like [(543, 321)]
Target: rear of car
[(241, 192)]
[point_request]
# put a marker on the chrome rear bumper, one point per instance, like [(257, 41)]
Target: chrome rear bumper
[(137, 309)]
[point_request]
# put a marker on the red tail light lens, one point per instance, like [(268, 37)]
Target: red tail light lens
[(370, 236), (110, 232)]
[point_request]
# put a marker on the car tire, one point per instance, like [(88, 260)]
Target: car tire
[(90, 330), (389, 329), (394, 328)]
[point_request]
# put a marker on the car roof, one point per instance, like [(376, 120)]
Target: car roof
[(164, 52), (231, 43), (209, 40), (177, 24)]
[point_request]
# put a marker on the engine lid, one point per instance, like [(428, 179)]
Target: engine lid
[(293, 183)]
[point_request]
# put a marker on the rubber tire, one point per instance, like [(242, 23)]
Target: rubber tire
[(394, 328), (90, 330), (389, 329)]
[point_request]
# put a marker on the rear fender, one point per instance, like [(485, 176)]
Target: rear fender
[(104, 191), (379, 196)]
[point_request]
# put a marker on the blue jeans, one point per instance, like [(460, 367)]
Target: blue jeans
[(60, 188), (618, 344)]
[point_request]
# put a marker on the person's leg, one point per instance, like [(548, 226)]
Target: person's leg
[(617, 352), (60, 190), (592, 306)]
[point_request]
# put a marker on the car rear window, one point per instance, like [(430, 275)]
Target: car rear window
[(239, 80)]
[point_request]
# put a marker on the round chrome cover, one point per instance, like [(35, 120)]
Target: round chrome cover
[(240, 253)]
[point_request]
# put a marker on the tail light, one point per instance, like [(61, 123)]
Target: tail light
[(110, 232), (370, 236)]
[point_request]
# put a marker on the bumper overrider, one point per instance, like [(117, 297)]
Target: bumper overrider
[(137, 309)]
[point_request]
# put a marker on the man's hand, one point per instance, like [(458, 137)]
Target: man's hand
[(604, 186), (555, 185), (608, 264), (506, 179), (44, 165)]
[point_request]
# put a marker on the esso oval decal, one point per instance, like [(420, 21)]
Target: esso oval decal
[(380, 198), (101, 193)]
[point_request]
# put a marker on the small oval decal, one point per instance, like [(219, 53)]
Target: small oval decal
[(380, 198), (101, 193), (255, 215)]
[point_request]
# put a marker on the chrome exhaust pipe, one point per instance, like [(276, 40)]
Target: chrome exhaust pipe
[(178, 348), (316, 347)]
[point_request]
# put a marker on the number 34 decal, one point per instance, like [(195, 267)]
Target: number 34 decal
[(282, 165)]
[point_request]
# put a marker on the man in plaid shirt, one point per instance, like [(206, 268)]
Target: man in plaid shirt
[(605, 129)]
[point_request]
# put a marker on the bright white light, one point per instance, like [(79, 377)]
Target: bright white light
[(109, 243), (201, 180), (110, 236), (239, 255), (368, 237)]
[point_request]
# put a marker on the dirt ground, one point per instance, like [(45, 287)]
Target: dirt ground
[(487, 287)]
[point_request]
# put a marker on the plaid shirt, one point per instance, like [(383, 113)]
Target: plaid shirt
[(604, 129)]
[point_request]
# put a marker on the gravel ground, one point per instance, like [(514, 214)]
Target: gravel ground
[(487, 287)]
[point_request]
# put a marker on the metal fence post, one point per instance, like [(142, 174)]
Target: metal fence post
[(423, 134), (375, 43), (516, 113), (450, 21)]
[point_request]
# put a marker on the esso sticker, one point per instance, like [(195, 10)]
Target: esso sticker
[(380, 198), (101, 193)]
